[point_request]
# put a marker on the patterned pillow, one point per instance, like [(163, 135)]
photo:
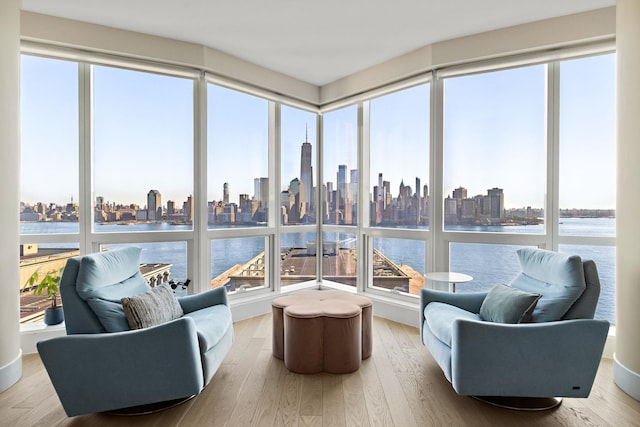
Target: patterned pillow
[(151, 308)]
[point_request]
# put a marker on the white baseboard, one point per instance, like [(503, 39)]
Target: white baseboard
[(626, 379), (11, 372)]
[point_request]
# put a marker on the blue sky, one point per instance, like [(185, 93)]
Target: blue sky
[(494, 135)]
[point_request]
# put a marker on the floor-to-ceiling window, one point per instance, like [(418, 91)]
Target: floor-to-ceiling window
[(142, 151), (524, 156), (586, 182), (529, 160), (239, 190), (298, 197), (398, 189), (339, 195), (49, 172), (494, 169)]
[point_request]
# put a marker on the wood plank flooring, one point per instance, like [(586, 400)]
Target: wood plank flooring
[(400, 385)]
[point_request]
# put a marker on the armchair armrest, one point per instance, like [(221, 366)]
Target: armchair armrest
[(202, 300), (534, 359), (469, 301), (100, 372)]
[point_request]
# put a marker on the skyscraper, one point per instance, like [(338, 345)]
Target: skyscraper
[(306, 172), (154, 205), (187, 208), (225, 193), (379, 197), (496, 196), (264, 192), (342, 185)]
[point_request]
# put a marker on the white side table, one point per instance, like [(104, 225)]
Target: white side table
[(449, 277)]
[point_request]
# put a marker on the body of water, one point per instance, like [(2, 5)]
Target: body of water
[(488, 264)]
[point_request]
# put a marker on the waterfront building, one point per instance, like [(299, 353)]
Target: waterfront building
[(154, 205), (225, 193)]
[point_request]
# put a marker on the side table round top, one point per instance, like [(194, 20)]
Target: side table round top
[(448, 276)]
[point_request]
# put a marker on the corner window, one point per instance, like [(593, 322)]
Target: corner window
[(340, 170)]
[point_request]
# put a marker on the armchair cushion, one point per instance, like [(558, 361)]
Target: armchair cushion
[(440, 317), (505, 304), (110, 314), (212, 323), (157, 306), (559, 278), (104, 278)]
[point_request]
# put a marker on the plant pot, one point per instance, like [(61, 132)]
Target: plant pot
[(53, 316)]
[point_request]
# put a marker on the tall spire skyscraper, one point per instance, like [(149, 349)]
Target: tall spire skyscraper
[(306, 171)]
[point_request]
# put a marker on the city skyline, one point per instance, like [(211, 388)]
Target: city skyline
[(143, 134)]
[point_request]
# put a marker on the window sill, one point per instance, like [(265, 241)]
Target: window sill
[(32, 332)]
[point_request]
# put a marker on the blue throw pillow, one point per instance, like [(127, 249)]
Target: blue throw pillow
[(504, 304)]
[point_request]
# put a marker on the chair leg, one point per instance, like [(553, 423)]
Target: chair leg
[(522, 403)]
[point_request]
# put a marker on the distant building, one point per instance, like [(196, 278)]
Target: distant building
[(306, 173), (154, 206)]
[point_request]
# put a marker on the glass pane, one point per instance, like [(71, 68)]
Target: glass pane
[(488, 264), (143, 148), (398, 264), (297, 258), (298, 158), (400, 159), (605, 259), (339, 258), (49, 146), (238, 263), (340, 157), (238, 154), (160, 261), (588, 146), (494, 150), (40, 258)]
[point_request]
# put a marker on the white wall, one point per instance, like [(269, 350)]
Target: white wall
[(627, 355), (10, 356)]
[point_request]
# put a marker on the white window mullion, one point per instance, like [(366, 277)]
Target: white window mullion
[(199, 248), (273, 245), (85, 154), (364, 278), (319, 197), (552, 211), (438, 251)]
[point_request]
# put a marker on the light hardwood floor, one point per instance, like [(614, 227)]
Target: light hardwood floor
[(400, 385)]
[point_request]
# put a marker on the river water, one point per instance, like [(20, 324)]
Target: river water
[(488, 264)]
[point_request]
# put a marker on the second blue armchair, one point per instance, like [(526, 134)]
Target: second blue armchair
[(555, 354)]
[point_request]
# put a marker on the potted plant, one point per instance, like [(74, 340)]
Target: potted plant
[(49, 284)]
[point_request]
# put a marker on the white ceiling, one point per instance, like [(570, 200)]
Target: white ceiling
[(315, 41)]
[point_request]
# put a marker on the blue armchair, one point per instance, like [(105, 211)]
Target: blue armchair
[(102, 365), (556, 354)]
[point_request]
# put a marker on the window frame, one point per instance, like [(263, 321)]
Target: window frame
[(198, 240)]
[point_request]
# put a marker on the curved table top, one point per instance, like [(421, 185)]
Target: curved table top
[(448, 276)]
